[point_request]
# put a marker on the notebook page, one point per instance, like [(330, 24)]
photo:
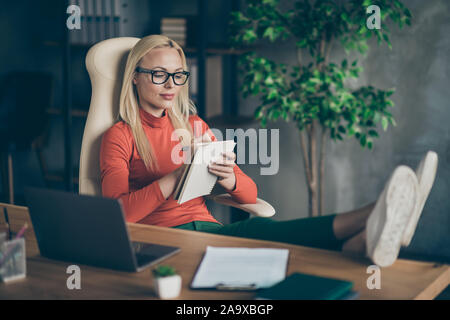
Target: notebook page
[(200, 181), (262, 267)]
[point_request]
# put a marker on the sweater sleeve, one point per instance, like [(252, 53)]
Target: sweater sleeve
[(115, 154), (245, 190)]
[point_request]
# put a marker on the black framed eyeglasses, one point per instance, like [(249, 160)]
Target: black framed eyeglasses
[(160, 76)]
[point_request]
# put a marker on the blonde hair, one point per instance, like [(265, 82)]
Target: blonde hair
[(129, 108)]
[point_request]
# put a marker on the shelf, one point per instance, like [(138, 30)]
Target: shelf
[(51, 43), (220, 50), (227, 121), (75, 112), (58, 176)]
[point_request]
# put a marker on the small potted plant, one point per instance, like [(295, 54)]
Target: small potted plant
[(166, 281)]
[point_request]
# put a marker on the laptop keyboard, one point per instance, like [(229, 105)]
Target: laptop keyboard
[(141, 248), (142, 255), (137, 246), (151, 253)]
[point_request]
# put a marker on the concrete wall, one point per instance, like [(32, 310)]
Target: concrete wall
[(418, 67)]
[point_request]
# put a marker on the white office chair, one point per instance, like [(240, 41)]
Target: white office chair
[(105, 63)]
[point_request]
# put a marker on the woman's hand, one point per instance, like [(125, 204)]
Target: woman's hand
[(223, 168), (177, 173), (202, 139), (169, 182)]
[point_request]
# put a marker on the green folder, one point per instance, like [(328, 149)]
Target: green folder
[(299, 286)]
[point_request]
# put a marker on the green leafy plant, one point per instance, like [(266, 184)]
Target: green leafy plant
[(163, 271), (316, 95)]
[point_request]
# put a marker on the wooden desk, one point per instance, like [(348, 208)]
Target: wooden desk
[(46, 279)]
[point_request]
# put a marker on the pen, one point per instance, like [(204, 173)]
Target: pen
[(237, 287), (22, 231)]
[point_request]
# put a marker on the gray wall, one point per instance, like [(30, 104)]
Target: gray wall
[(418, 67)]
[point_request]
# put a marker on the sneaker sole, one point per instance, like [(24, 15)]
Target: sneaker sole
[(400, 201), (426, 179)]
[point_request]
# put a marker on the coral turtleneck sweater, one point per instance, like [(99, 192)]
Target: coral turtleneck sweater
[(124, 176)]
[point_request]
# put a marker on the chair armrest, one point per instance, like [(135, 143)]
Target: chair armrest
[(260, 209)]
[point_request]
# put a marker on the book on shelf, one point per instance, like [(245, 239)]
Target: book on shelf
[(173, 21), (100, 20), (193, 78), (89, 13), (108, 14), (173, 29), (179, 40), (84, 26), (214, 92), (196, 180), (175, 35), (75, 34), (214, 84), (181, 29), (116, 16)]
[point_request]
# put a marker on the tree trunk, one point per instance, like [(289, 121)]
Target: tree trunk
[(304, 142), (322, 169), (314, 164), (311, 166), (314, 176)]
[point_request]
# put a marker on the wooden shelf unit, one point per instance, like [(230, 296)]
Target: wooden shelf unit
[(230, 117)]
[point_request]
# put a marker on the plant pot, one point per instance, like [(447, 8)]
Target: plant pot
[(168, 287)]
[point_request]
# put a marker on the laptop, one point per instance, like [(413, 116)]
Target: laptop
[(88, 230)]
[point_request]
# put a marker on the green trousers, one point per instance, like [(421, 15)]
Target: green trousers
[(311, 232)]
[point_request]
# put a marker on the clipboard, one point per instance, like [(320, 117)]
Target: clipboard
[(240, 269)]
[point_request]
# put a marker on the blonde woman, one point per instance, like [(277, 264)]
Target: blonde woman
[(137, 166)]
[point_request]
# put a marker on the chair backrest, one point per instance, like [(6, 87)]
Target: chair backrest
[(105, 63)]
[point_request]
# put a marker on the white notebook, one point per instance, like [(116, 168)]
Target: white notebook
[(241, 268), (196, 180)]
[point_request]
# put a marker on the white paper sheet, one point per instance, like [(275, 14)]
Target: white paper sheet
[(262, 267)]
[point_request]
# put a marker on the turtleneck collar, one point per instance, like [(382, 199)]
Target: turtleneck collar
[(152, 120)]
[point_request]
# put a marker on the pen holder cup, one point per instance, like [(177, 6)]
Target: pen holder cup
[(13, 260)]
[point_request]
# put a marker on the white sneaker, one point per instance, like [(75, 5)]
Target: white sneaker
[(387, 222), (426, 172)]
